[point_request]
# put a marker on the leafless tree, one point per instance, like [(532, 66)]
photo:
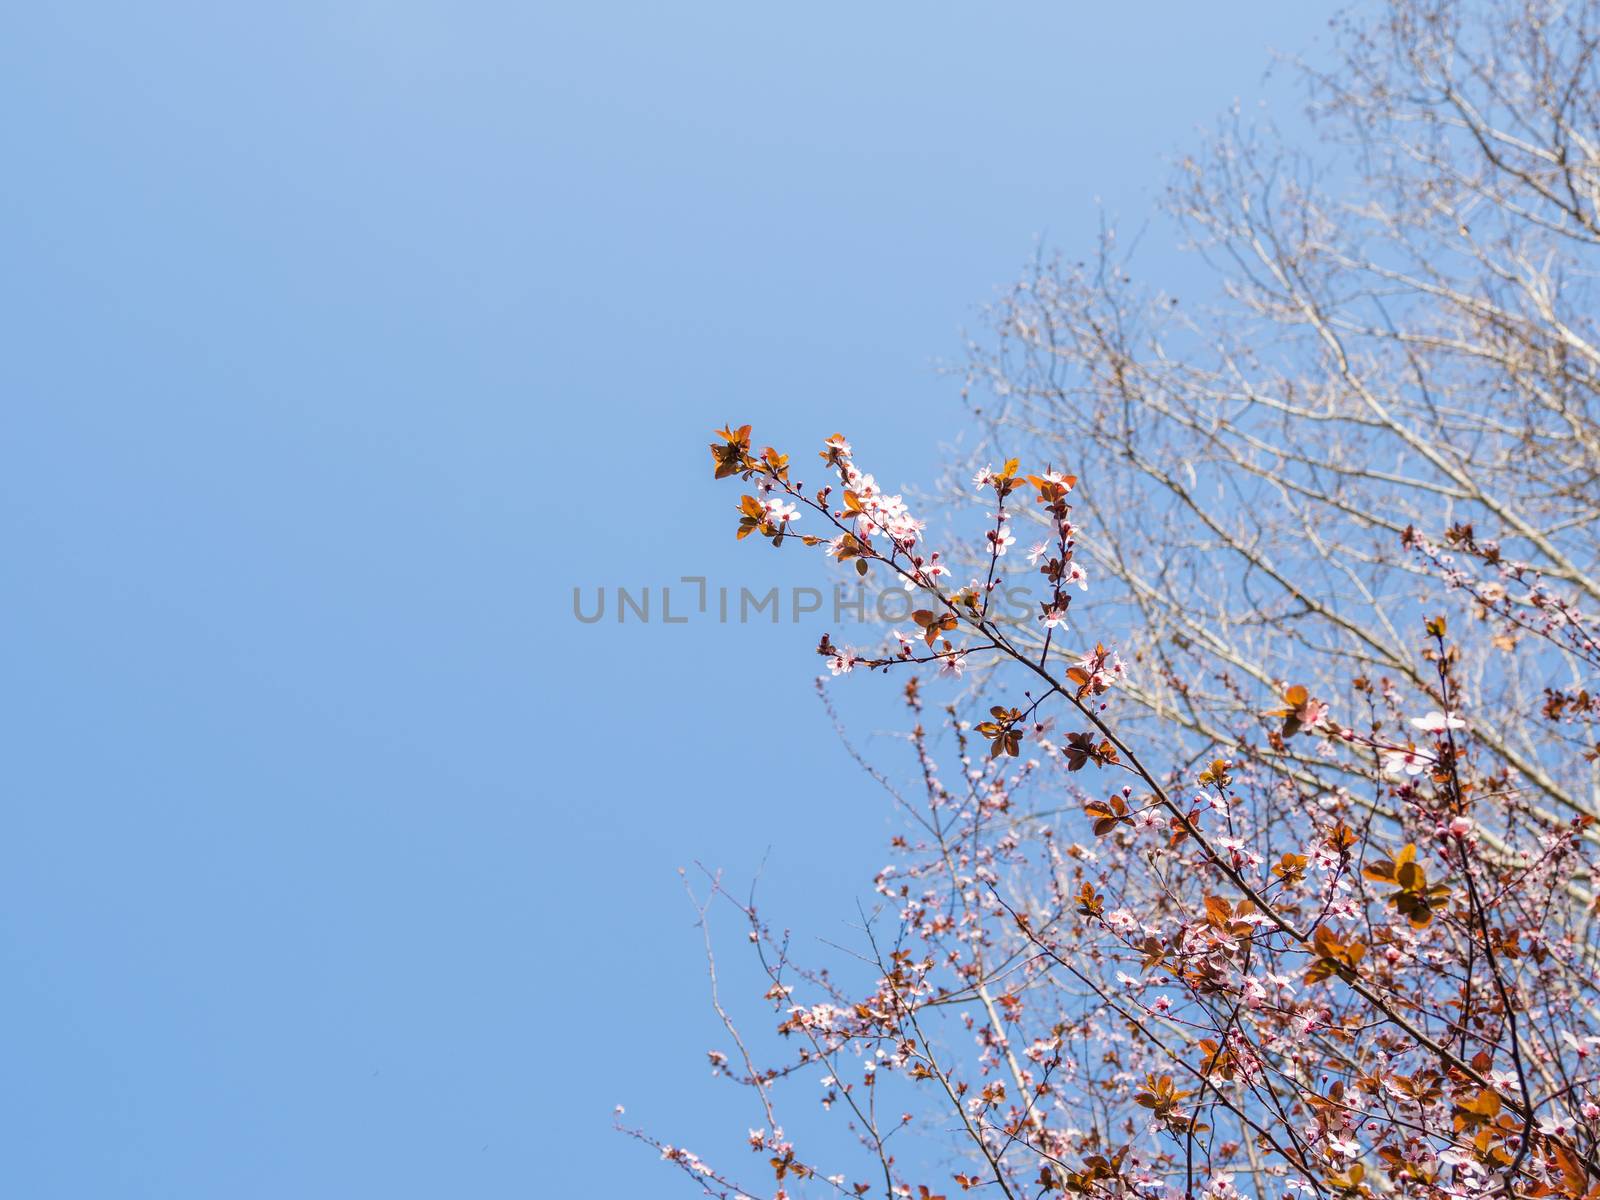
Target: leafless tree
[(1402, 335)]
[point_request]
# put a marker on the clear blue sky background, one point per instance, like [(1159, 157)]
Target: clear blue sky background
[(340, 342)]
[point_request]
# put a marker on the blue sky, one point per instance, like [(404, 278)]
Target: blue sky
[(343, 341)]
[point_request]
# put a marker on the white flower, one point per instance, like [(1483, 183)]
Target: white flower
[(981, 479), (1555, 1126), (1438, 722), (1409, 761), (1583, 1048), (780, 513)]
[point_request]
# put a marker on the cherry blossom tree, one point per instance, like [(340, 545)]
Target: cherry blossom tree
[(1257, 858)]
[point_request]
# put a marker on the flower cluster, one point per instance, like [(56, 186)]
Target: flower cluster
[(1342, 954)]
